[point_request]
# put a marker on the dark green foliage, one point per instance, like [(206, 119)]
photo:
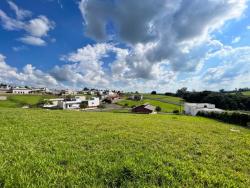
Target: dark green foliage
[(83, 105), (158, 108), (153, 93), (176, 111), (227, 117), (221, 100)]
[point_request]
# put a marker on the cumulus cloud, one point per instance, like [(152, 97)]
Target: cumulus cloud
[(175, 28), (40, 26), (35, 41), (36, 28), (29, 75), (86, 66)]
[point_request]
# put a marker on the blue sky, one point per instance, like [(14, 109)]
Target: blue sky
[(125, 44)]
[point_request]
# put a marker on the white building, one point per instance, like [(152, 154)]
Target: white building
[(70, 104), (194, 108), (93, 102), (75, 103), (21, 91)]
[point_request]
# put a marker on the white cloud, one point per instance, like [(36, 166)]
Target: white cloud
[(35, 41), (28, 76), (236, 40), (20, 13), (39, 27), (19, 48), (175, 28), (36, 28), (248, 27)]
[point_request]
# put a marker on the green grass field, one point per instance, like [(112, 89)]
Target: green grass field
[(15, 101), (165, 107), (164, 97), (41, 148), (246, 93)]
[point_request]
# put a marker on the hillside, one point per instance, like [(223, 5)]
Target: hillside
[(167, 103), (42, 148), (15, 101)]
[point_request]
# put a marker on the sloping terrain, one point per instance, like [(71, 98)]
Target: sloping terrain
[(42, 148)]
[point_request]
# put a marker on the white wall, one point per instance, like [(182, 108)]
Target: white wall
[(94, 102)]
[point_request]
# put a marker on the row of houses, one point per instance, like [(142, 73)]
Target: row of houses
[(4, 88), (102, 94)]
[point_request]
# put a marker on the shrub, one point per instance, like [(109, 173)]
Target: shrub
[(228, 117), (153, 92), (158, 109), (83, 105), (176, 111)]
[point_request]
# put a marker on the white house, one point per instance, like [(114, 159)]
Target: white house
[(75, 103), (21, 91), (93, 102), (194, 108), (70, 104)]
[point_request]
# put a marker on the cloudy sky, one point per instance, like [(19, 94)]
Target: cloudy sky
[(131, 45)]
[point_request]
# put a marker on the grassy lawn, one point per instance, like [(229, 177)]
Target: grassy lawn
[(164, 97), (14, 101), (42, 148), (246, 93), (165, 107)]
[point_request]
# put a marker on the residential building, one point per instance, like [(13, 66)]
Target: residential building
[(194, 108), (21, 91), (144, 109)]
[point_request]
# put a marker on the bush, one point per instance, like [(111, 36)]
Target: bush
[(176, 111), (153, 92), (228, 117), (83, 105), (158, 109)]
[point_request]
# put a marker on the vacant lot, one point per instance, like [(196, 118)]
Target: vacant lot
[(42, 148), (164, 97), (15, 101)]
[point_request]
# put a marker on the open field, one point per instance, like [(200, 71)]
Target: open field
[(14, 101), (163, 97), (165, 107), (41, 148), (246, 93)]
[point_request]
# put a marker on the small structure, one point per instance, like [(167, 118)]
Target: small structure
[(194, 108), (4, 88), (93, 102), (52, 103), (136, 97), (144, 109), (21, 91), (70, 104), (68, 92)]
